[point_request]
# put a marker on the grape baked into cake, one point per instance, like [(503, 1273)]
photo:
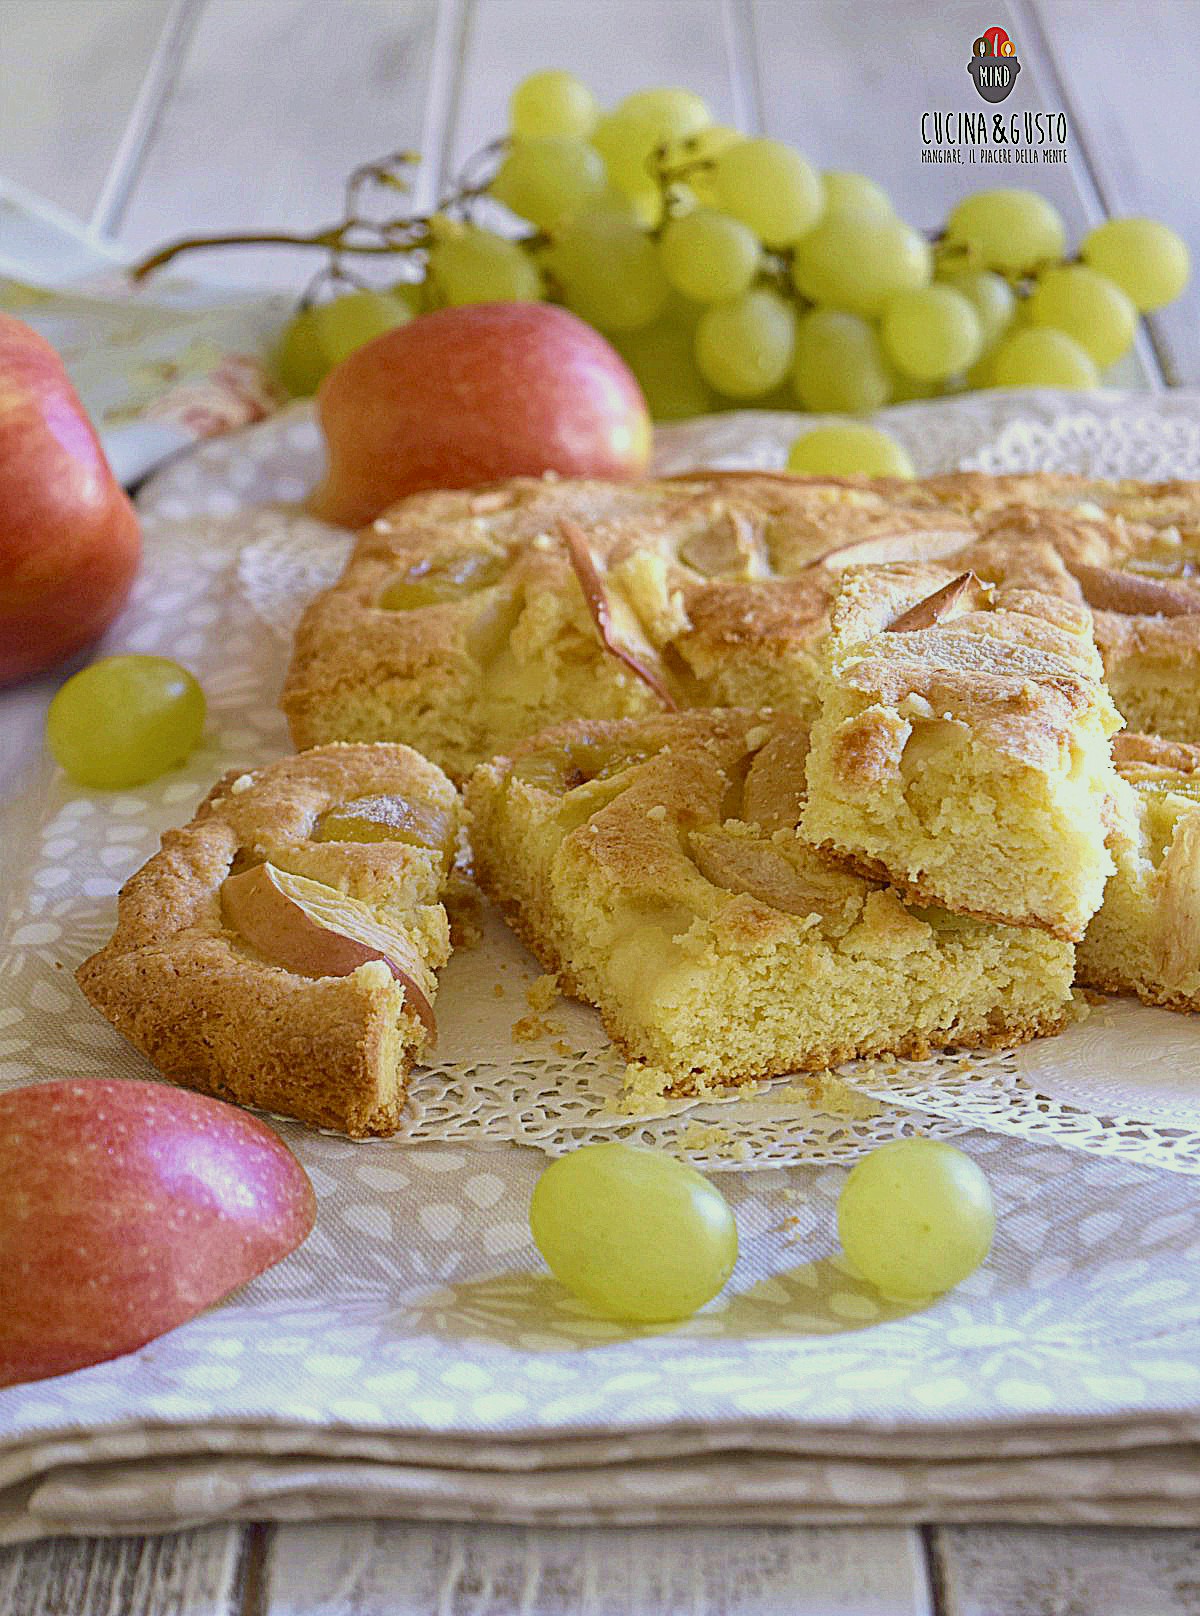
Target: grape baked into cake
[(466, 621)]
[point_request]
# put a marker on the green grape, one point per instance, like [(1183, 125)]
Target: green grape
[(627, 146), (744, 347), (915, 1217), (348, 322), (848, 450), (660, 356), (636, 1234), (990, 295), (609, 270), (299, 359), (708, 256), (856, 261), (931, 333), (769, 187), (550, 178), (471, 265), (856, 192), (1010, 230), (552, 103), (125, 720), (1147, 260), (839, 365), (671, 114), (701, 148), (1087, 306), (1042, 357), (905, 387)]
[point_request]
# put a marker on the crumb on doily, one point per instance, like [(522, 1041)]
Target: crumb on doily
[(497, 990), (826, 1092), (563, 1049), (542, 992), (530, 1028)]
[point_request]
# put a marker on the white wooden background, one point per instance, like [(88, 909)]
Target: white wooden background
[(149, 118)]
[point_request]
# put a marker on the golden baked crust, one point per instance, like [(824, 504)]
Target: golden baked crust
[(214, 1014), (655, 866), (1146, 937), (728, 575), (962, 749)]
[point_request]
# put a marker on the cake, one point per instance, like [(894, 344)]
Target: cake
[(655, 867), (962, 750), (466, 621), (281, 949), (1146, 937)]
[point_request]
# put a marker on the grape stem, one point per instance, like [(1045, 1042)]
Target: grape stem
[(354, 233)]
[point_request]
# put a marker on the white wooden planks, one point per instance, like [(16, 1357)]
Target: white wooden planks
[(394, 1569), (183, 1574), (273, 105), (1089, 1571)]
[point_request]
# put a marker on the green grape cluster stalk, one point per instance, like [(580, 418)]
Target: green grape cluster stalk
[(730, 273)]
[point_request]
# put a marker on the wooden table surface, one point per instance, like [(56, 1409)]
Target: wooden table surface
[(149, 118)]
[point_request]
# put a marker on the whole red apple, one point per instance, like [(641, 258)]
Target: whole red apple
[(471, 395), (125, 1209), (69, 540)]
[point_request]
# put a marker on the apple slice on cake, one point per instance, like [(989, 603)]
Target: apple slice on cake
[(281, 950)]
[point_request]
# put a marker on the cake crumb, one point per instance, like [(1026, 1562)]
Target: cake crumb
[(563, 1049), (542, 992), (828, 1093), (703, 1136), (242, 783), (464, 910), (497, 990), (658, 813)]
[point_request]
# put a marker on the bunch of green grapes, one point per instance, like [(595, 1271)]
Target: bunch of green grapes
[(729, 272)]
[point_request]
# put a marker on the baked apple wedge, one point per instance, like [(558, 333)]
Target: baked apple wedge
[(281, 950)]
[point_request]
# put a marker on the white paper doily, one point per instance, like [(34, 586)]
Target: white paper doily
[(228, 551)]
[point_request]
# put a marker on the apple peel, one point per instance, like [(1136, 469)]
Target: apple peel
[(316, 930), (618, 627), (127, 1208), (936, 608)]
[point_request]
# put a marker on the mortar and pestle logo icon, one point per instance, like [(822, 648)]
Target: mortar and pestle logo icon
[(994, 65)]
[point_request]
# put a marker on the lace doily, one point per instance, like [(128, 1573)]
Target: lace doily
[(229, 551)]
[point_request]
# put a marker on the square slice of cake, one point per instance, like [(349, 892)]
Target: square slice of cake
[(654, 865), (1146, 937), (280, 950), (962, 752)]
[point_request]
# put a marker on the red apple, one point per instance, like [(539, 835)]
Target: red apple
[(471, 395), (127, 1208), (69, 539)]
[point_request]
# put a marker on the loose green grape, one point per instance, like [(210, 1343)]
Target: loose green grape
[(769, 187), (300, 361), (915, 1217), (671, 114), (744, 347), (348, 322), (470, 265), (660, 356), (855, 191), (125, 720), (990, 295), (610, 271), (1007, 229), (636, 1234), (1087, 306), (931, 333), (1147, 260), (856, 261), (708, 256), (839, 365), (1042, 357), (550, 178), (552, 103), (848, 450)]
